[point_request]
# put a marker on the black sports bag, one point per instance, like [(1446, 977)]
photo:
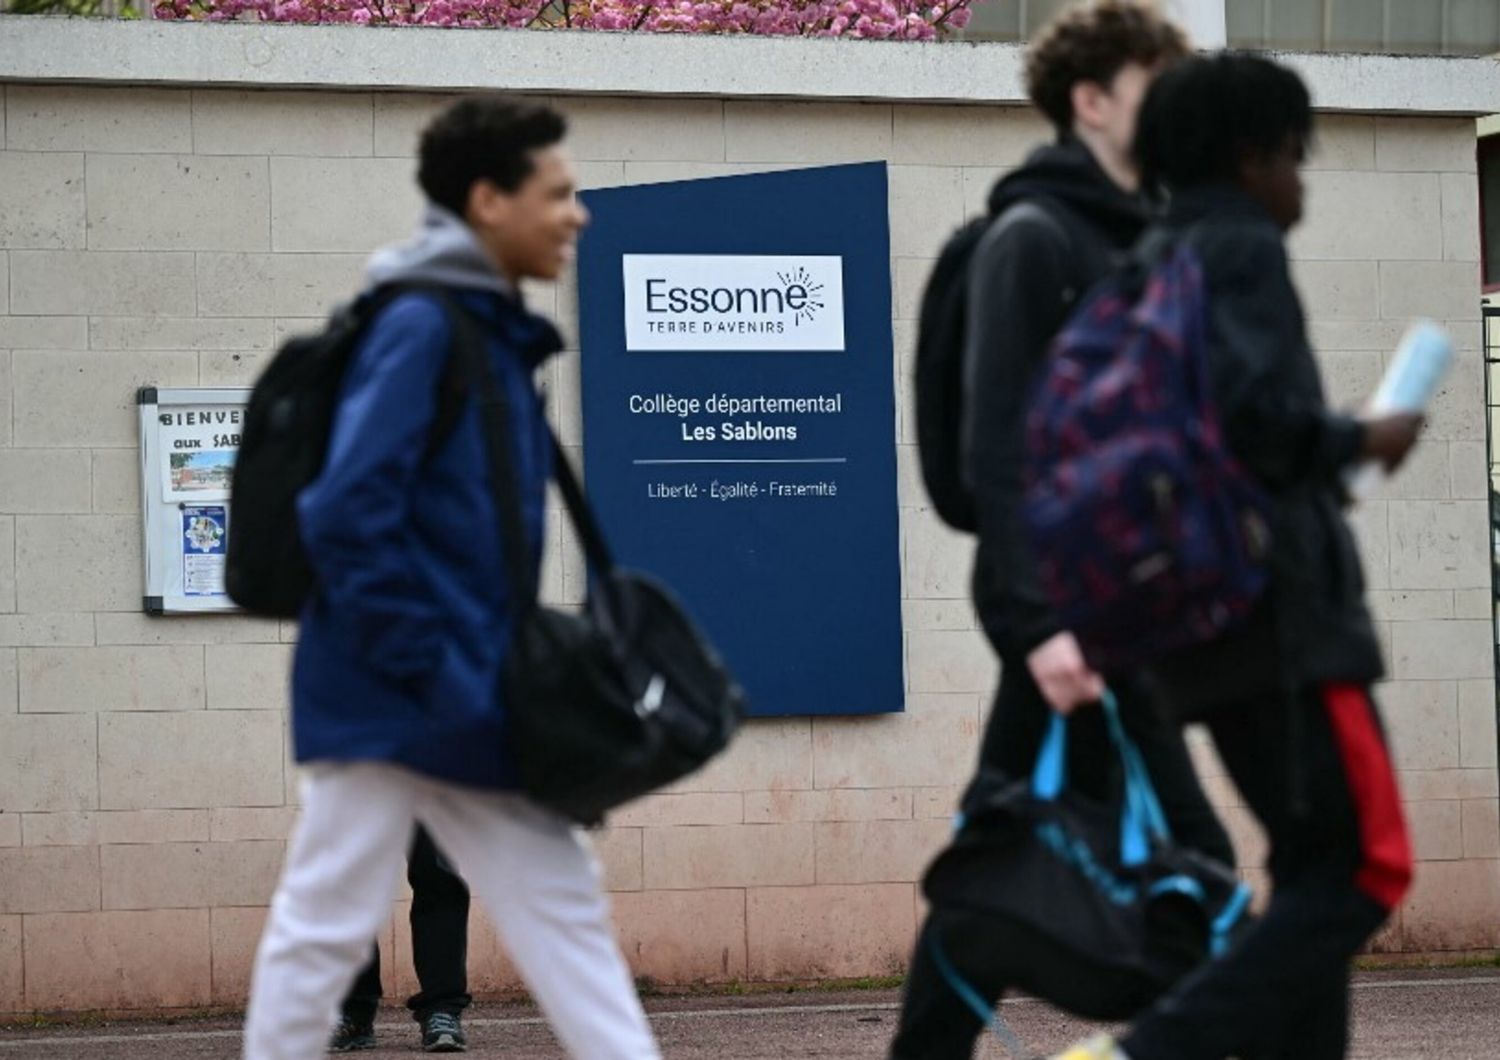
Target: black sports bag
[(611, 703), (1088, 906)]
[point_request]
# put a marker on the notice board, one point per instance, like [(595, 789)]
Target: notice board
[(739, 420), (190, 437)]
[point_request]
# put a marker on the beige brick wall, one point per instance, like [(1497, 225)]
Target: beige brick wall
[(174, 236)]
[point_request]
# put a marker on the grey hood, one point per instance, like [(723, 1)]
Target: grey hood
[(444, 252)]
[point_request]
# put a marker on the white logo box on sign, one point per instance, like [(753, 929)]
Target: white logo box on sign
[(711, 302)]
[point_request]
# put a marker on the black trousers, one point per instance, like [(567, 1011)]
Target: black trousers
[(935, 1024), (1318, 776), (439, 940)]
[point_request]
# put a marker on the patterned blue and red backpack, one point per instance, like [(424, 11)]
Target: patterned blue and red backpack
[(1148, 534)]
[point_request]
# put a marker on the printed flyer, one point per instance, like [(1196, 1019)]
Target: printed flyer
[(204, 547)]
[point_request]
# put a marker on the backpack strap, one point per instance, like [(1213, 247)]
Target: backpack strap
[(1049, 214), (1059, 218), (452, 393)]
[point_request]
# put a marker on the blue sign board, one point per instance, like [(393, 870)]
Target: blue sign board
[(739, 420)]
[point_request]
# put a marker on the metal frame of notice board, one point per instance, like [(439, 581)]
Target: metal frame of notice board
[(189, 438)]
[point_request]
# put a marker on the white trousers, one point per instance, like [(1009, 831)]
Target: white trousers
[(532, 870)]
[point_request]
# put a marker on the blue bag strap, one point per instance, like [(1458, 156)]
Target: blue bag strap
[(1142, 818), (1050, 775), (1138, 784), (1234, 910), (988, 1014), (1135, 836), (1139, 777)]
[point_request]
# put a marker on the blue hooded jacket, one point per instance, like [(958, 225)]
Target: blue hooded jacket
[(402, 646)]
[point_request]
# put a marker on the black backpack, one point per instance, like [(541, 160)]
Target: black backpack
[(283, 444), (940, 370), (939, 377)]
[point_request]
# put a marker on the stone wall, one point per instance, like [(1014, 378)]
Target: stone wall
[(174, 236)]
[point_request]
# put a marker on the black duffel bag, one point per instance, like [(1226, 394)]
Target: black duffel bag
[(1090, 907), (613, 702)]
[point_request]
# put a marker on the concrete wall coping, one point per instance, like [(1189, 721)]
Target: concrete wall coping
[(419, 59)]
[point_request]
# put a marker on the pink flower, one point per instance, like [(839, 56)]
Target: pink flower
[(900, 19)]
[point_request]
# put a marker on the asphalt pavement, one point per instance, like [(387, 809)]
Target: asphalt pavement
[(1410, 1015)]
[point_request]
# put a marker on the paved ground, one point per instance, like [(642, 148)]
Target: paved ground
[(1445, 1015)]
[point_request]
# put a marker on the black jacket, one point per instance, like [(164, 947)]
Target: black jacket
[(1314, 626), (1061, 225)]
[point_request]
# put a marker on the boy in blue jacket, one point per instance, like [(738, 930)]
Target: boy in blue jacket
[(397, 712)]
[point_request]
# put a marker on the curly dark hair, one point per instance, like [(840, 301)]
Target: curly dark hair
[(1092, 41), (1207, 114), (483, 137)]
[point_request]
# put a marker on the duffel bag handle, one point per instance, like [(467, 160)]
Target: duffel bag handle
[(1141, 817), (1138, 786), (1050, 776)]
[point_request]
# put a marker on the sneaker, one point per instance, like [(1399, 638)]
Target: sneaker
[(350, 1036), (1100, 1048), (443, 1033)]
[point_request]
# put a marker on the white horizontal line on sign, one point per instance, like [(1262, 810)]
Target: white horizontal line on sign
[(805, 460)]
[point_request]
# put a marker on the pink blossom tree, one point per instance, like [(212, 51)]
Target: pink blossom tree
[(893, 19)]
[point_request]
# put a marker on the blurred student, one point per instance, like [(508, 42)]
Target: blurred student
[(1287, 696)]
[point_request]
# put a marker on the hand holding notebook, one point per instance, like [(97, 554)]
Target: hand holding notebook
[(1421, 361)]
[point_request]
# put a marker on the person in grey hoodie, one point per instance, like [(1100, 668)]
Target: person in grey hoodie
[(398, 712)]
